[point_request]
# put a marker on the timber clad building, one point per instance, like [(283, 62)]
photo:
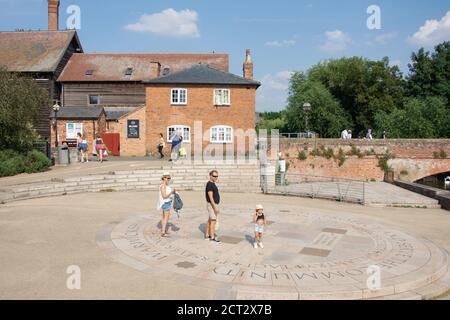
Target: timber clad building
[(41, 55), (131, 98)]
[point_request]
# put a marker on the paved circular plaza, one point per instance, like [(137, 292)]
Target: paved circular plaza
[(308, 254), (313, 249)]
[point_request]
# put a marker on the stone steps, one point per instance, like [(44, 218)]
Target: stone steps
[(233, 178)]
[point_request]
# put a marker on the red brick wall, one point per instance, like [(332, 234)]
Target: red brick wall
[(133, 147), (90, 127), (200, 107), (414, 157)]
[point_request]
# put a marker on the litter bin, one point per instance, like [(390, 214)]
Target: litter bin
[(73, 155), (63, 154)]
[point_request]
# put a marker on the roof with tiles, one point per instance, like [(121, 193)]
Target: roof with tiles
[(203, 74), (114, 67), (78, 113), (35, 51)]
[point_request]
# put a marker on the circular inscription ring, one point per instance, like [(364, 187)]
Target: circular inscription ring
[(306, 255)]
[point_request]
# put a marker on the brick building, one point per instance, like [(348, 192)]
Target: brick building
[(131, 98), (222, 104)]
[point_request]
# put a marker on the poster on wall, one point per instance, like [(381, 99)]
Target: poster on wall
[(72, 129), (133, 129)]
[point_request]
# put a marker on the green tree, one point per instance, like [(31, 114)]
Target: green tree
[(326, 117), (20, 99), (420, 118), (363, 87), (430, 72)]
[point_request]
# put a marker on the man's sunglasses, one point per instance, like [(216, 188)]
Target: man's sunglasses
[(215, 176)]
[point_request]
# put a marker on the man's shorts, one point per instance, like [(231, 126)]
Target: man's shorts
[(259, 228), (212, 215)]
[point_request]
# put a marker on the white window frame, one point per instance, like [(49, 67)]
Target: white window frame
[(178, 96), (224, 129), (221, 103), (186, 138)]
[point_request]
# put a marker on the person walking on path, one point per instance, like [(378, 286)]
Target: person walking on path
[(369, 135), (99, 148), (79, 141), (161, 145), (176, 144), (260, 221), (165, 197), (212, 206), (84, 150)]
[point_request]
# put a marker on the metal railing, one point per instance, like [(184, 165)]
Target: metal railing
[(44, 147), (300, 135), (338, 189)]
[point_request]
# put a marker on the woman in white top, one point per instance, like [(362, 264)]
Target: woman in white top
[(165, 197)]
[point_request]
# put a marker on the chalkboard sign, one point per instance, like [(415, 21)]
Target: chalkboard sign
[(133, 129)]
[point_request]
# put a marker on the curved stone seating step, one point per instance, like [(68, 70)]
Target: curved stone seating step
[(233, 178)]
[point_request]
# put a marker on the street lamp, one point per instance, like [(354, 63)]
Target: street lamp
[(306, 110), (56, 108)]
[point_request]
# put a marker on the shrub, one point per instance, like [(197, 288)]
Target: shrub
[(328, 153), (383, 161), (355, 151), (316, 152), (443, 154), (341, 157), (404, 173), (36, 161), (11, 163), (302, 155)]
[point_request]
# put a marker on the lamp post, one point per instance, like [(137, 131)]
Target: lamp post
[(306, 110), (56, 108)]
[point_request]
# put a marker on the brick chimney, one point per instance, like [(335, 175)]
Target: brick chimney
[(248, 66), (53, 15)]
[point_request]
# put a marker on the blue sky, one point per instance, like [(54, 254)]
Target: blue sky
[(284, 36)]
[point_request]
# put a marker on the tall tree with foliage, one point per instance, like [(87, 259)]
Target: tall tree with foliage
[(362, 87), (430, 72), (420, 118), (326, 117), (20, 99)]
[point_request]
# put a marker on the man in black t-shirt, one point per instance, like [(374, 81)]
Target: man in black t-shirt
[(212, 206)]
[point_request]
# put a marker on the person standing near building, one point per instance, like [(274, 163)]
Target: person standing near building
[(212, 206), (79, 141), (84, 149), (99, 148), (161, 145), (176, 144)]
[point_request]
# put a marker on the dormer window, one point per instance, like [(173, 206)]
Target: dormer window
[(89, 72), (129, 72), (166, 71)]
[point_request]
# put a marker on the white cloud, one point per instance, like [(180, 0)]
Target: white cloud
[(336, 41), (283, 43), (272, 94), (385, 38), (171, 23), (432, 32)]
